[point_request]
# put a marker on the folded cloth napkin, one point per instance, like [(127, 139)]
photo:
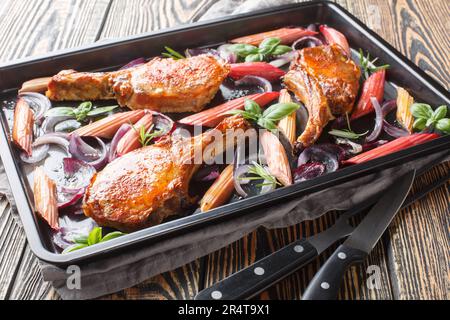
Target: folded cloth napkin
[(111, 274)]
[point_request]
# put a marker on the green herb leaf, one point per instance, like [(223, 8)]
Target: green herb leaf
[(74, 247), (261, 173), (421, 110), (145, 137), (94, 236), (112, 235), (81, 240), (420, 124), (443, 125), (101, 110), (60, 111), (267, 124), (279, 50), (252, 106), (368, 66), (278, 111), (439, 113), (347, 134), (243, 50), (172, 54), (257, 57)]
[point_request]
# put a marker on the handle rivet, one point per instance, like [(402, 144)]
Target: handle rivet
[(342, 255), (325, 285), (216, 295), (298, 248), (259, 271)]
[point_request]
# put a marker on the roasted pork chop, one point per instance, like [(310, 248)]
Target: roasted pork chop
[(327, 82), (145, 186), (164, 85)]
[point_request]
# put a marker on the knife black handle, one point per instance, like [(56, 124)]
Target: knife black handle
[(325, 284), (248, 282)]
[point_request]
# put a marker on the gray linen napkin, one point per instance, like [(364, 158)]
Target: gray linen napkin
[(115, 273)]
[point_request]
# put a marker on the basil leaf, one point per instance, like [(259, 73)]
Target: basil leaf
[(74, 247), (81, 240), (257, 57), (440, 113), (278, 111), (267, 124), (443, 125), (430, 122), (243, 49), (420, 124), (101, 110), (245, 114), (269, 43), (60, 111), (421, 110), (112, 235), (252, 106), (95, 236), (279, 50)]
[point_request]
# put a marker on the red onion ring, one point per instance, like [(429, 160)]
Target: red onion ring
[(378, 121), (38, 154), (133, 63), (83, 151), (307, 41), (53, 138), (49, 123), (308, 171), (78, 173), (283, 59), (72, 199), (38, 103), (394, 131), (115, 141)]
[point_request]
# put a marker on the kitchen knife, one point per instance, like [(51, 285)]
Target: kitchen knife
[(248, 282), (325, 284)]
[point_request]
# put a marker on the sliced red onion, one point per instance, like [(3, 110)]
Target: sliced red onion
[(81, 150), (305, 42), (255, 81), (71, 229), (283, 59), (312, 27), (164, 124), (67, 125), (198, 51), (115, 141), (133, 63), (325, 154), (38, 154), (308, 171), (77, 173), (394, 131), (52, 138), (353, 147), (207, 173), (69, 199), (378, 121), (373, 145), (389, 106), (48, 125), (65, 189), (226, 54), (38, 103)]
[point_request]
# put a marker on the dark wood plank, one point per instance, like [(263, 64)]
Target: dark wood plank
[(32, 28)]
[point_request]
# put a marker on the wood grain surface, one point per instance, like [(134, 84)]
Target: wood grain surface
[(414, 255)]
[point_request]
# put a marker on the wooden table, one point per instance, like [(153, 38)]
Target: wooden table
[(414, 256)]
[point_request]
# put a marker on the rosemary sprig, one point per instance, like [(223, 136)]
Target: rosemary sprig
[(172, 54), (261, 173), (347, 133), (145, 137), (368, 67)]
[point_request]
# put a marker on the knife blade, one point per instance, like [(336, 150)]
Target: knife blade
[(250, 281), (325, 284)]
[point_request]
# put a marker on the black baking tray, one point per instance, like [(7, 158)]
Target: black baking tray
[(109, 55)]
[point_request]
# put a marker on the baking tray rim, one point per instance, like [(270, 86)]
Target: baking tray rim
[(186, 223)]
